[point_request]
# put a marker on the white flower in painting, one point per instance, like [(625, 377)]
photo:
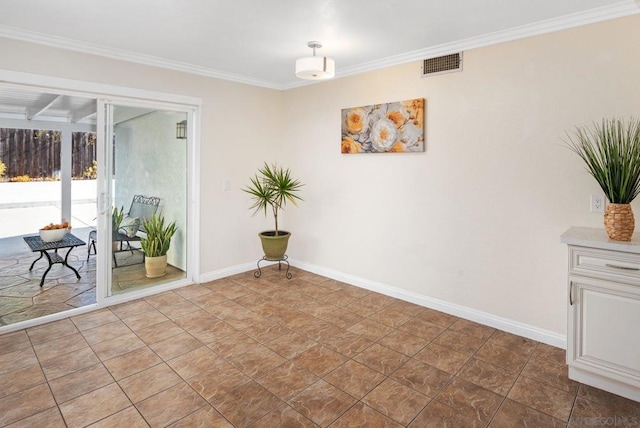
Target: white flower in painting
[(412, 137), (383, 135), (378, 112)]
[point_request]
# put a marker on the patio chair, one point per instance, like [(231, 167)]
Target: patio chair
[(142, 208)]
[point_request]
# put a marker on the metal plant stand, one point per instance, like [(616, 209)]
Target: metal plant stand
[(284, 258)]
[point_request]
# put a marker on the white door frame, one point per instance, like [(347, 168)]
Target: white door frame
[(105, 195), (120, 94)]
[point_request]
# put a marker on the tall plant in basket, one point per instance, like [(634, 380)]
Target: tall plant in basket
[(611, 152)]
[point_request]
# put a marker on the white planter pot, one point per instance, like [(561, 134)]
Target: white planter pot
[(155, 266)]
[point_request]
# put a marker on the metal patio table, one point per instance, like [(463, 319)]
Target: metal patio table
[(50, 251)]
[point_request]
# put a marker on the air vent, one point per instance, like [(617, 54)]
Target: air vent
[(442, 64)]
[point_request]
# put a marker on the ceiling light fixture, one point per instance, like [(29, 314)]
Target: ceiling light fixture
[(315, 67)]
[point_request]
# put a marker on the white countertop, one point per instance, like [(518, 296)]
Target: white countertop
[(597, 238)]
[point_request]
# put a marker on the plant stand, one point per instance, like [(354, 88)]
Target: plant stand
[(284, 258)]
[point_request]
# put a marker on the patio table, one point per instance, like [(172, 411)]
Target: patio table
[(37, 244)]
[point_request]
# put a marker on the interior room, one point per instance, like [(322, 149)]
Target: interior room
[(461, 311)]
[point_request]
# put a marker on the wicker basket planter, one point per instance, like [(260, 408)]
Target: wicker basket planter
[(619, 222)]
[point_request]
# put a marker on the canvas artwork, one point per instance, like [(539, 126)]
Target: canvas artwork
[(384, 128)]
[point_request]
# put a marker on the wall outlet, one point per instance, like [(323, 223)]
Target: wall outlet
[(226, 185), (597, 203)]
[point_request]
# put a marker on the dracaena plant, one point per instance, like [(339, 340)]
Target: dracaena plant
[(611, 151), (271, 188)]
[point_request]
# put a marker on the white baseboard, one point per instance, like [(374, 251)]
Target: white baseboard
[(232, 270), (505, 324)]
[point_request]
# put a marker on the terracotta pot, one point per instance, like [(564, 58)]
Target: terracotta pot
[(155, 266), (619, 222)]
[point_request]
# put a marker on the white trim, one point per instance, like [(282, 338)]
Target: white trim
[(44, 124), (123, 55), (48, 318), (616, 10), (115, 300), (193, 199), (225, 272), (86, 89), (123, 96), (603, 382), (505, 324), (232, 270)]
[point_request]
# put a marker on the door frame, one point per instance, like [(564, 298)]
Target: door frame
[(122, 94), (105, 192)]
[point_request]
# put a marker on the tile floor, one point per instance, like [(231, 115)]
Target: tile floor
[(272, 352)]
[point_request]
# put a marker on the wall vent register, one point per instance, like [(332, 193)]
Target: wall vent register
[(442, 64)]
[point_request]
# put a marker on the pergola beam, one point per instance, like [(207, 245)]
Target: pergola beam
[(46, 102), (82, 113)]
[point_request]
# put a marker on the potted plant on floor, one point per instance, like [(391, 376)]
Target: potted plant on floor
[(271, 188), (156, 245), (611, 151)]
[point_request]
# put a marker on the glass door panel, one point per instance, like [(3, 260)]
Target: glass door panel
[(148, 182)]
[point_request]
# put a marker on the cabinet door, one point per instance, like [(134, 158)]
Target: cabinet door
[(603, 321)]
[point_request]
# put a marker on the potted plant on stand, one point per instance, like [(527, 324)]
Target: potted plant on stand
[(156, 245), (271, 188), (611, 151)]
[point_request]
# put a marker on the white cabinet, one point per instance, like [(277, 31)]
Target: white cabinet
[(603, 337)]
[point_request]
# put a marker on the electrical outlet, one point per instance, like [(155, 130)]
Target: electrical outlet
[(226, 185), (597, 203)]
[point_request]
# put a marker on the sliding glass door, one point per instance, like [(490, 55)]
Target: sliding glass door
[(144, 198)]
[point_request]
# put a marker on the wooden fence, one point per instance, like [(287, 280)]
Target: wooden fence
[(36, 153)]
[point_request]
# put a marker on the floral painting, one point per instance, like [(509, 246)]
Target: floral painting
[(384, 128)]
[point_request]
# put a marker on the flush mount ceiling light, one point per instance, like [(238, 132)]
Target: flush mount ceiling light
[(315, 67)]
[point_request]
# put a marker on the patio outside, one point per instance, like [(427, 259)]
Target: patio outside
[(25, 208)]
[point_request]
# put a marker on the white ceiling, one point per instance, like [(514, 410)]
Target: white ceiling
[(258, 41)]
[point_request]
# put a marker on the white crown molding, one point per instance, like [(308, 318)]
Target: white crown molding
[(617, 10), (123, 55)]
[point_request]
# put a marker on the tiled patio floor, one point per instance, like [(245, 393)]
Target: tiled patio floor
[(22, 298), (272, 352)]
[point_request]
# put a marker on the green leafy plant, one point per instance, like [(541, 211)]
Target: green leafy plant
[(272, 187), (116, 217), (611, 151), (158, 238)]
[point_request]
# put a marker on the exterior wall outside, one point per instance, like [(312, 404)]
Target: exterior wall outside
[(150, 161)]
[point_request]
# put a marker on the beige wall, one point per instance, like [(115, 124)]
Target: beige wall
[(475, 220), (240, 127)]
